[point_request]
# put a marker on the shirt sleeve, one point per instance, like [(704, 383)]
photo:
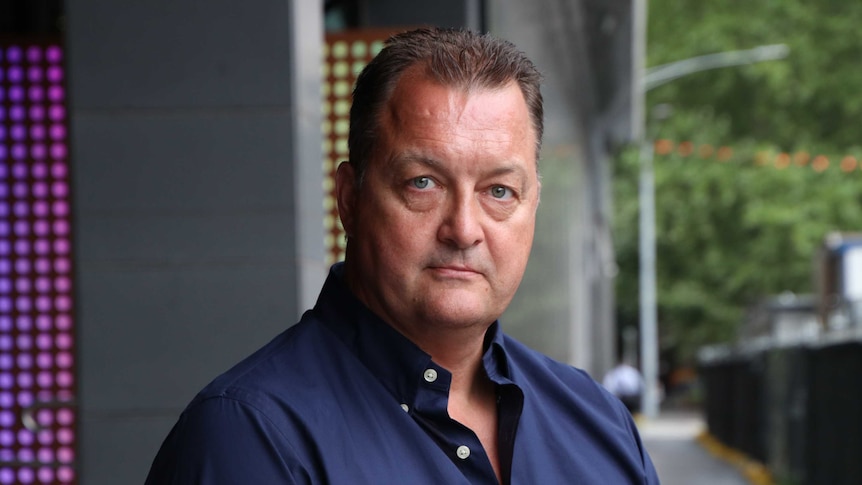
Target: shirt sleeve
[(221, 441)]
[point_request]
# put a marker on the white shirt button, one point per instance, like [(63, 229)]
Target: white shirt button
[(430, 375), (463, 452), (405, 407)]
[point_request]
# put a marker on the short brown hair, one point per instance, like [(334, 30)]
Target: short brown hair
[(457, 58)]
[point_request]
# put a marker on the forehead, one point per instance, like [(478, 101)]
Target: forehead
[(421, 107)]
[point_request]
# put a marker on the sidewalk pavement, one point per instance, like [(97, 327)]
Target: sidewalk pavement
[(671, 440)]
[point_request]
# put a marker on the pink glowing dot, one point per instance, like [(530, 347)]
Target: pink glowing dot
[(44, 417), (45, 454), (16, 113), (59, 189), (59, 170), (45, 379), (65, 436), (25, 381), (24, 342), (34, 54), (36, 94), (18, 132), (37, 132), (58, 151), (25, 399), (55, 74), (64, 341), (41, 228), (43, 342), (43, 284), (44, 360), (62, 284), (56, 94), (34, 74), (65, 416), (43, 266), (64, 360), (63, 322), (46, 475), (24, 323), (22, 228), (39, 170), (61, 208), (21, 209), (61, 246), (54, 54), (23, 304), (63, 303), (40, 191), (61, 265), (41, 246), (43, 303), (64, 379), (40, 208), (45, 437), (58, 132), (65, 454), (37, 151), (19, 152), (15, 74), (25, 437), (65, 474), (57, 112), (19, 190), (37, 113), (43, 322), (61, 227), (26, 475)]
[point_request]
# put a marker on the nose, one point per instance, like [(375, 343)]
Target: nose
[(461, 226)]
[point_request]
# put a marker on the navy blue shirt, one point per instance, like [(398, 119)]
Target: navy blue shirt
[(343, 398)]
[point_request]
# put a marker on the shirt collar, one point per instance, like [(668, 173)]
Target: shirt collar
[(398, 363)]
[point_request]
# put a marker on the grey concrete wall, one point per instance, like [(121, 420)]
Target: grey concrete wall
[(197, 204)]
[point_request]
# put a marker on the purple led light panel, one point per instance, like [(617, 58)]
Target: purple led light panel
[(36, 321)]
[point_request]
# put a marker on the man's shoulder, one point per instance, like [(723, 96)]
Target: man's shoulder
[(529, 359), (574, 388), (280, 369)]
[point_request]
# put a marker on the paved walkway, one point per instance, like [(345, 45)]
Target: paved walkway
[(679, 459)]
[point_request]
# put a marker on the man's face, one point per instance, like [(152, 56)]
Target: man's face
[(440, 230)]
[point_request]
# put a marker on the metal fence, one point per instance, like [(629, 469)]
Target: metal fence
[(795, 408)]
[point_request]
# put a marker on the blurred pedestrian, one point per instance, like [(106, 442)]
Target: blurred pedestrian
[(625, 382)]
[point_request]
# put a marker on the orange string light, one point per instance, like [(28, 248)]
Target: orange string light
[(781, 161)]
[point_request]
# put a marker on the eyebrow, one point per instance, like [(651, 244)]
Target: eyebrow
[(411, 158)]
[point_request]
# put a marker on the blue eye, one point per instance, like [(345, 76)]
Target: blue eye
[(422, 182), (500, 192)]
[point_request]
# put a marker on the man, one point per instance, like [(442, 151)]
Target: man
[(401, 373), (625, 382)]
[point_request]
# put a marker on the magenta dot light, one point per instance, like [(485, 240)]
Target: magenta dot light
[(36, 285)]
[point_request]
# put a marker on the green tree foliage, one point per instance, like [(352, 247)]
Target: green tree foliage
[(729, 232), (813, 96), (732, 232)]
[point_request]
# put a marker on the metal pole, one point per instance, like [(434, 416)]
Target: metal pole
[(646, 195), (648, 305)]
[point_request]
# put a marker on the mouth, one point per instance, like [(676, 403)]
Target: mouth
[(455, 271)]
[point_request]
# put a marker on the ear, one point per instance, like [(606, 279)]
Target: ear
[(345, 195)]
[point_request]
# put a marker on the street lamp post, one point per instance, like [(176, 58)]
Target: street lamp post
[(653, 78)]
